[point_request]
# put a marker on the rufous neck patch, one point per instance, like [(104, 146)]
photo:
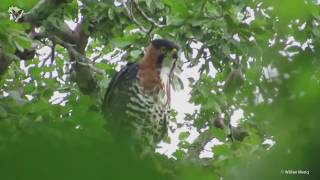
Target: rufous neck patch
[(149, 73)]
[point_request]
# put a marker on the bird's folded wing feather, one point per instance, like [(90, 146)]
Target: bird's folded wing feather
[(122, 79)]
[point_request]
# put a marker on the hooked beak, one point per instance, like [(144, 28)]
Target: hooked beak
[(175, 58), (171, 74), (175, 53)]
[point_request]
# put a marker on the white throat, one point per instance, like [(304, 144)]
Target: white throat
[(164, 75)]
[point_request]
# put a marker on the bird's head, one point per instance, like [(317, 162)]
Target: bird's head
[(158, 64), (167, 55), (166, 52), (161, 54)]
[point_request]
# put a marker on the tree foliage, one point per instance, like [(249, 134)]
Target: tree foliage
[(57, 58)]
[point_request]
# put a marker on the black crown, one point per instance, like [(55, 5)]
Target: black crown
[(164, 43)]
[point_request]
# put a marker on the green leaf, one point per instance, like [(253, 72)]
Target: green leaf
[(179, 154), (159, 4), (212, 105), (122, 42), (102, 66), (25, 5), (219, 134), (3, 112), (104, 83), (23, 42), (221, 99), (15, 95), (135, 54), (177, 7), (111, 13), (149, 3), (184, 135), (221, 150), (34, 71), (253, 139), (175, 21), (20, 48)]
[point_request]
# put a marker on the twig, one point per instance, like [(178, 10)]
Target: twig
[(117, 54), (53, 49), (53, 52), (146, 16), (44, 60), (97, 70), (69, 47), (95, 58), (130, 14), (150, 30), (59, 100), (80, 59)]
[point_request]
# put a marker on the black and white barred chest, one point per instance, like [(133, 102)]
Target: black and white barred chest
[(148, 114)]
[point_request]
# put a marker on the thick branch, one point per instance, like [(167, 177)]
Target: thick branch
[(74, 41), (197, 146), (70, 47), (41, 11), (81, 59), (66, 34), (84, 71)]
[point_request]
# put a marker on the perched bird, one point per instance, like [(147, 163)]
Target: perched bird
[(138, 98)]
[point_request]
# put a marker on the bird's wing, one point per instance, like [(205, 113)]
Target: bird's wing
[(122, 79)]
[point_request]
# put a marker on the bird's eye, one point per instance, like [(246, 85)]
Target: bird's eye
[(162, 50)]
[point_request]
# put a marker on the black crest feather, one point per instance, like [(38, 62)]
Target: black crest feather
[(164, 43)]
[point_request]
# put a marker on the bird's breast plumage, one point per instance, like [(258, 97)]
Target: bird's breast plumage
[(147, 112), (136, 109), (137, 100)]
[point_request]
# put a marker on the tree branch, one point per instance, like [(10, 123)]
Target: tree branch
[(84, 71), (41, 11), (130, 14), (197, 146), (143, 14)]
